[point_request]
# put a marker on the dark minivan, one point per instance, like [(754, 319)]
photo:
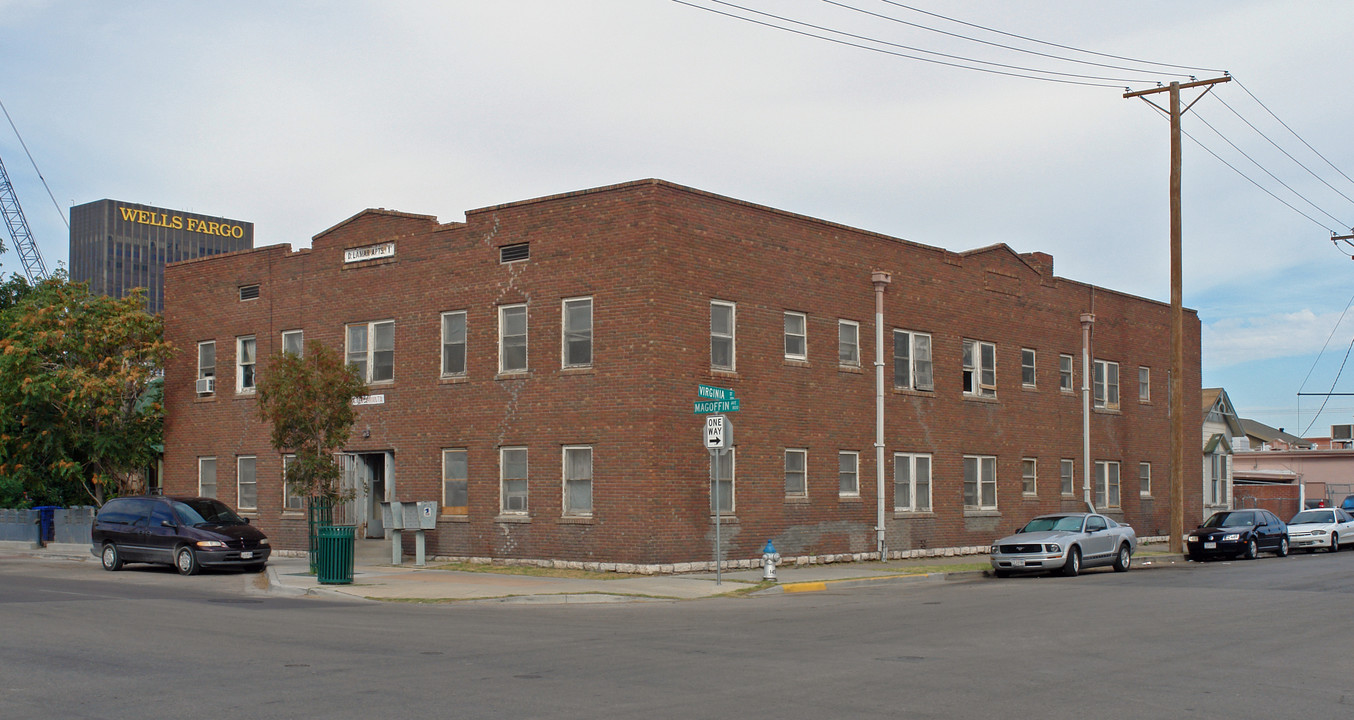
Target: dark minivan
[(189, 533)]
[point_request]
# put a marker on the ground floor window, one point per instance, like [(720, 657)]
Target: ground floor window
[(513, 480), (455, 479), (291, 501), (980, 482), (1106, 484), (848, 474), (247, 483), (722, 495), (578, 480), (911, 482), (206, 477), (796, 470)]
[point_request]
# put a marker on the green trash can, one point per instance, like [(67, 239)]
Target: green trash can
[(336, 554)]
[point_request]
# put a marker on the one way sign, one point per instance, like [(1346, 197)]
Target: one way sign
[(718, 432)]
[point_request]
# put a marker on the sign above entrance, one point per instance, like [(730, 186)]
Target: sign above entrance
[(370, 400)]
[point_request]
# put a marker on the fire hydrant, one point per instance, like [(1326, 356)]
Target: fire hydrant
[(769, 559)]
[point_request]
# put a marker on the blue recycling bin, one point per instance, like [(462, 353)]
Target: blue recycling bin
[(46, 523)]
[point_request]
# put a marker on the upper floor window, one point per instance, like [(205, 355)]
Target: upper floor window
[(249, 292), (1027, 357), (848, 343), (1106, 384), (722, 323), (796, 336), (293, 341), (512, 338), (980, 368), (577, 321), (206, 367), (1065, 374), (1144, 384), (453, 343), (244, 364), (980, 482), (371, 349), (912, 360)]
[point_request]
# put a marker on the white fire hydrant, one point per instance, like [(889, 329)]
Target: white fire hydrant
[(769, 559)]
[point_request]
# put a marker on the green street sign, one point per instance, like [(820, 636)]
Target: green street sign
[(710, 392), (716, 406)]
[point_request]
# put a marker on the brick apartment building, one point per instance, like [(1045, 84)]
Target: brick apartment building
[(533, 370)]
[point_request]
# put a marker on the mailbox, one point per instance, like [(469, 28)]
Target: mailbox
[(427, 515)]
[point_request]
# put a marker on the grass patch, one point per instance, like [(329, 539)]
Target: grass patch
[(532, 571)]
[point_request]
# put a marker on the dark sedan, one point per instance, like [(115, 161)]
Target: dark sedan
[(1238, 533)]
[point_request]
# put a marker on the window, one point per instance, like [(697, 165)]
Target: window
[(514, 253), (1069, 486), (911, 482), (455, 482), (206, 477), (1065, 374), (980, 482), (912, 360), (1215, 479), (1029, 476), (512, 463), (848, 475), (293, 341), (980, 368), (244, 364), (848, 343), (453, 343), (1145, 479), (796, 470), (722, 320), (371, 349), (512, 338), (578, 480), (1144, 384), (1027, 367), (206, 366), (291, 502), (577, 322), (723, 498), (1106, 384), (796, 336), (247, 485), (1106, 484)]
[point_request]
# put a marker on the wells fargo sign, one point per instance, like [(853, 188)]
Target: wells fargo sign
[(178, 222)]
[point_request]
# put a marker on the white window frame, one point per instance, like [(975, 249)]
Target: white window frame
[(918, 372), (1067, 373), (448, 478), (1144, 384), (913, 481), (1106, 389), (246, 364), (368, 353), (801, 472), (296, 339), (727, 469), (980, 379), (206, 371), (570, 510), (1028, 367), (1108, 486), (207, 488), (504, 338), (720, 338), (287, 497), (504, 496), (1029, 476), (800, 334), (848, 343), (848, 478), (449, 346), (983, 495), (1145, 479), (1067, 476), (241, 483), (577, 334)]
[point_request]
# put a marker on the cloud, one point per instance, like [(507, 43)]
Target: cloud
[(1235, 340)]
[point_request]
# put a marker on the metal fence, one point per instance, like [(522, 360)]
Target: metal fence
[(65, 525)]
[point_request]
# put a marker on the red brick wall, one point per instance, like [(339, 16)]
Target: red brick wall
[(1282, 500), (652, 256)]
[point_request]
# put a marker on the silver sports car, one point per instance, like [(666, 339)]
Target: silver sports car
[(1065, 542)]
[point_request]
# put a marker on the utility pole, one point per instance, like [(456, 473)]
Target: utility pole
[(1177, 400)]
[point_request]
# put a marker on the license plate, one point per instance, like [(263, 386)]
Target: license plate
[(1210, 546), (246, 555), (1017, 563)]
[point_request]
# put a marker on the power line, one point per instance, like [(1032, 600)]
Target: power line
[(1332, 387), (1327, 343), (1291, 130), (1285, 152), (24, 145)]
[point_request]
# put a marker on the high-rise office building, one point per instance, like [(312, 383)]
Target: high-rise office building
[(117, 246)]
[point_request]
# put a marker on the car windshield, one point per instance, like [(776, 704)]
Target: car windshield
[(1054, 522), (1231, 519), (207, 512), (1313, 516)]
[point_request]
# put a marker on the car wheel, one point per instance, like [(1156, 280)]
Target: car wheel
[(256, 568), (1334, 542), (1283, 548), (1123, 560), (185, 561), (1196, 556), (1073, 565), (1252, 550), (110, 557)]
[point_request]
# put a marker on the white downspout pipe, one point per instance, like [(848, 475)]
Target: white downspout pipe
[(881, 280), (1087, 320)]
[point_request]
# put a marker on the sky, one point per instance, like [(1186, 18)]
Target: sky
[(296, 116)]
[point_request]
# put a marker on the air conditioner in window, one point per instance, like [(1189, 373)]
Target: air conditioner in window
[(1342, 432), (206, 385)]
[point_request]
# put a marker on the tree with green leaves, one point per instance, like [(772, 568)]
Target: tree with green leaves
[(308, 399), (80, 379)]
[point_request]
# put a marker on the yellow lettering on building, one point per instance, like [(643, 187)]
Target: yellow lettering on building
[(177, 222)]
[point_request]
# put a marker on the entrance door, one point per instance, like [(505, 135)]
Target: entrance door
[(370, 477)]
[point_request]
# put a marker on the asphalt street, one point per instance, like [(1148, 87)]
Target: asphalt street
[(1262, 638)]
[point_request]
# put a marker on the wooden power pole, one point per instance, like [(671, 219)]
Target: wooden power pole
[(1178, 411)]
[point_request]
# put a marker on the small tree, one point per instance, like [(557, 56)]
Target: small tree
[(308, 399)]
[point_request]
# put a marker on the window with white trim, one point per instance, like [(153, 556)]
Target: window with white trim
[(371, 350), (1029, 476), (206, 363), (1106, 385), (206, 477), (1067, 472), (1106, 484), (578, 480), (796, 473), (1215, 479), (980, 482), (455, 482), (244, 364), (848, 343), (577, 323), (980, 368), (1144, 384), (291, 502), (912, 368), (848, 473), (453, 343), (723, 320), (1065, 382), (911, 482), (246, 483), (723, 486), (512, 338), (1027, 366), (796, 336), (1145, 479), (512, 463), (294, 342)]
